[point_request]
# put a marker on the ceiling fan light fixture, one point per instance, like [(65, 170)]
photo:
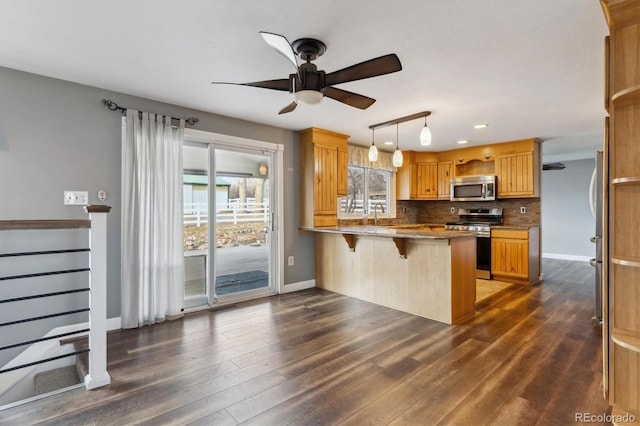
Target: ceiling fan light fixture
[(425, 134), (308, 97), (373, 150)]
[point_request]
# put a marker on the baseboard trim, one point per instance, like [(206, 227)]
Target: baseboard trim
[(300, 285), (114, 323), (566, 257)]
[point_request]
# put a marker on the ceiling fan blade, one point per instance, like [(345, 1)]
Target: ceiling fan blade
[(349, 98), (280, 84), (371, 68), (282, 45), (288, 108)]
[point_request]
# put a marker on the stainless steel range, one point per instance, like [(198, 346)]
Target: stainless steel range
[(480, 222)]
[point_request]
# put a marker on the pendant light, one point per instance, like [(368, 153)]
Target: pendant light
[(425, 134), (373, 151), (397, 155)]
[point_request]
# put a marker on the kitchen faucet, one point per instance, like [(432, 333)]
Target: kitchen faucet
[(375, 212)]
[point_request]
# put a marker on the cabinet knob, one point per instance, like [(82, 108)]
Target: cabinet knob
[(460, 160), (487, 157)]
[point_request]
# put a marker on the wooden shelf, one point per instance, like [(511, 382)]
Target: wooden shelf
[(626, 97), (627, 180), (628, 341), (626, 262)]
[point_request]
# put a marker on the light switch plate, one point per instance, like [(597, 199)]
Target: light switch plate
[(76, 198)]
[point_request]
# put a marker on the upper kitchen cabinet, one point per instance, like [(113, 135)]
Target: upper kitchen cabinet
[(417, 179), (323, 176), (427, 175), (518, 173), (343, 166), (445, 173), (427, 181)]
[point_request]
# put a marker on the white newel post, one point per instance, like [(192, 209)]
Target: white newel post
[(98, 375)]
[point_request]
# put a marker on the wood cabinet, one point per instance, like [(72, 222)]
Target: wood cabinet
[(445, 173), (621, 230), (427, 175), (422, 177), (323, 176), (515, 255), (343, 165), (518, 175), (426, 181)]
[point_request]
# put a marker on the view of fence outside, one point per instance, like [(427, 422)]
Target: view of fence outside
[(237, 224), (197, 214)]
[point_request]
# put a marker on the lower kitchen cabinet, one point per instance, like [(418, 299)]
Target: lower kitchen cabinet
[(515, 255)]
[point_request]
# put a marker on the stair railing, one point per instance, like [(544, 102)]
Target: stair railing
[(97, 289)]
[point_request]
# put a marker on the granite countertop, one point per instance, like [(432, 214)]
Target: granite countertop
[(521, 227), (413, 231)]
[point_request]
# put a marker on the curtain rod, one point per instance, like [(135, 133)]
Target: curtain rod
[(112, 106)]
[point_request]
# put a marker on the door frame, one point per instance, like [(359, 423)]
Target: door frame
[(276, 203)]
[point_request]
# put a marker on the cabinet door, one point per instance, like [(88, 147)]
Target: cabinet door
[(445, 173), (515, 174), (427, 180), (342, 170), (325, 180), (510, 257)]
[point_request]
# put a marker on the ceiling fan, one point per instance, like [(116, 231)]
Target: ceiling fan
[(309, 85)]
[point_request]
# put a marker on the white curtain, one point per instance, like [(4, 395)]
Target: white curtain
[(151, 237)]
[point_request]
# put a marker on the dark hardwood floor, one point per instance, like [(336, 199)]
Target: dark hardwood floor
[(530, 356)]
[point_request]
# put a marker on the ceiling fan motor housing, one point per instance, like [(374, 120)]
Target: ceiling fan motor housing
[(309, 78)]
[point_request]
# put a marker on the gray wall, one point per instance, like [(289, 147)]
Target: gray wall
[(56, 136), (567, 223)]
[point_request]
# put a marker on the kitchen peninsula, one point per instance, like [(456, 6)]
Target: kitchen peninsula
[(415, 270)]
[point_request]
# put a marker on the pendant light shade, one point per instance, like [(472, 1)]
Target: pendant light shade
[(373, 151), (425, 134), (397, 159)]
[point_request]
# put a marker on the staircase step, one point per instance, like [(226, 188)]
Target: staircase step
[(55, 379)]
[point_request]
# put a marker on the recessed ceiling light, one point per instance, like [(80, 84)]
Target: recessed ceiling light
[(388, 143), (461, 142), (480, 126)]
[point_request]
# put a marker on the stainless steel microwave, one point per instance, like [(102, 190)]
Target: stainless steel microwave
[(473, 188)]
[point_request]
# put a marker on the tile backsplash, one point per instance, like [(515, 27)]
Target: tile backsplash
[(439, 212)]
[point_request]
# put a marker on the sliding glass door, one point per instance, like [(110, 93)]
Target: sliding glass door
[(243, 229), (231, 243)]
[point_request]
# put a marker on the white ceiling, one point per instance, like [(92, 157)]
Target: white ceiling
[(528, 68)]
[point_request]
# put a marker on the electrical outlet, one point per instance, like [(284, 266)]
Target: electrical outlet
[(76, 198), (453, 210), (523, 210), (290, 261)]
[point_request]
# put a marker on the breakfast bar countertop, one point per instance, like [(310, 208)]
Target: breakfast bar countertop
[(393, 231)]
